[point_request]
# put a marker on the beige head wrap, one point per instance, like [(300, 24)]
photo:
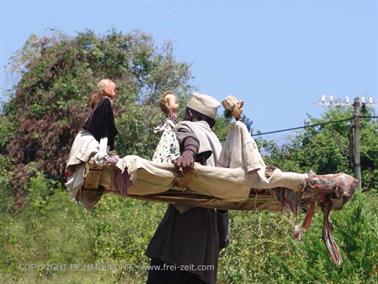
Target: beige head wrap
[(204, 104), (230, 102)]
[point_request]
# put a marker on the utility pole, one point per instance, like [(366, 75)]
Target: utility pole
[(357, 140)]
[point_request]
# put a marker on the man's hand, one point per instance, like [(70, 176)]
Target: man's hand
[(185, 161)]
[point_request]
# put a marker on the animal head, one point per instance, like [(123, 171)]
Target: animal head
[(345, 187)]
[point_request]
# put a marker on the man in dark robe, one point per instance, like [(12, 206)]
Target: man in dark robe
[(186, 244), (101, 120)]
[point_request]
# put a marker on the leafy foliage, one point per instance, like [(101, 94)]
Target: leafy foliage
[(57, 75)]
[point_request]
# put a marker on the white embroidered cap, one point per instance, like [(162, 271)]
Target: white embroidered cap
[(204, 104)]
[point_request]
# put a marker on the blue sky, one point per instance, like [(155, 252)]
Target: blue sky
[(278, 56)]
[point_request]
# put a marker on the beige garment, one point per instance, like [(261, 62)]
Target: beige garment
[(225, 183), (290, 180), (240, 150), (230, 184), (83, 148), (208, 141), (76, 180), (152, 178)]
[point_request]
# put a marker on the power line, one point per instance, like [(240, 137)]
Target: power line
[(355, 138), (302, 127), (311, 125)]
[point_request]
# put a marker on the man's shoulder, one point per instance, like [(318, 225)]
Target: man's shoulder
[(184, 123), (193, 124), (185, 126)]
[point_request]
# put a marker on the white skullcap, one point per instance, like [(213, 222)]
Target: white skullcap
[(204, 104)]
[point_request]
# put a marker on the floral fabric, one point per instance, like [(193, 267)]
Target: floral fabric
[(168, 148)]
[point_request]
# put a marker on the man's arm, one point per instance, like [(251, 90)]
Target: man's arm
[(189, 146)]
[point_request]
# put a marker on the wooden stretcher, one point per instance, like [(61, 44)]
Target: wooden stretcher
[(104, 177), (330, 192)]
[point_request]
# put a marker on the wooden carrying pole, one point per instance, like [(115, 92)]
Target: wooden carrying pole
[(357, 140)]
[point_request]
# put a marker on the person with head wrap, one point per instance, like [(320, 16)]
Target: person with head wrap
[(240, 150), (188, 239)]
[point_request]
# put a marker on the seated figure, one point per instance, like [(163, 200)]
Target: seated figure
[(168, 148), (98, 125), (240, 150)]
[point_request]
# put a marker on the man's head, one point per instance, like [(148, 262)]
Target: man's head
[(202, 107), (107, 88)]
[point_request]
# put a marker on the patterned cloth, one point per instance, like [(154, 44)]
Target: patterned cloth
[(168, 148)]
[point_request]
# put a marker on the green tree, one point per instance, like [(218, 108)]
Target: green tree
[(58, 73), (326, 148)]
